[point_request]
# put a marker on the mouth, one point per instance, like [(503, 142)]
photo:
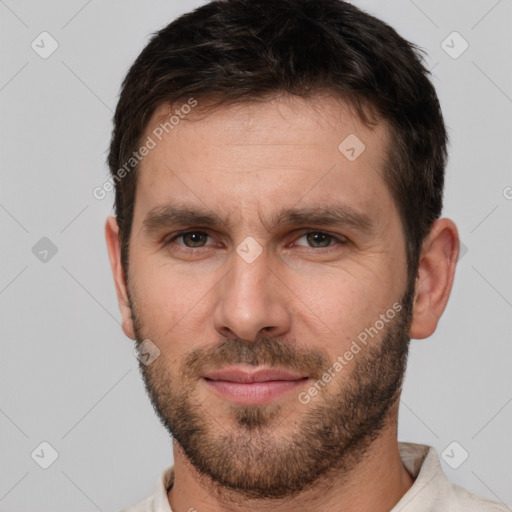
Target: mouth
[(245, 385)]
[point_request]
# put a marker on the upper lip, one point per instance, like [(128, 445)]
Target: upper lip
[(237, 374)]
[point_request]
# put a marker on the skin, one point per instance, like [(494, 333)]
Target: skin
[(247, 162)]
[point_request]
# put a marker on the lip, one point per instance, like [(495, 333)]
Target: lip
[(249, 375), (252, 386)]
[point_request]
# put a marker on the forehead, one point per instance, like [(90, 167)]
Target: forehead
[(262, 155)]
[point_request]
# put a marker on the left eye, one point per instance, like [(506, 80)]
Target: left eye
[(192, 239), (320, 239)]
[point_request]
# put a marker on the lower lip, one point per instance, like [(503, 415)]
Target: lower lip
[(253, 393)]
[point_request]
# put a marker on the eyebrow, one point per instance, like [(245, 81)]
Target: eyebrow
[(338, 215)]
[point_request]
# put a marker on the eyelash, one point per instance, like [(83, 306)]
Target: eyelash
[(342, 241)]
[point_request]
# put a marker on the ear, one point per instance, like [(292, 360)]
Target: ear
[(435, 277), (114, 254)]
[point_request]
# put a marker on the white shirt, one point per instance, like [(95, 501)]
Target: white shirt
[(430, 492)]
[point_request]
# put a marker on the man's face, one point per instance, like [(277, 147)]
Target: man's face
[(221, 306)]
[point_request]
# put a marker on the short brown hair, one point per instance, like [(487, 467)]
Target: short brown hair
[(242, 50)]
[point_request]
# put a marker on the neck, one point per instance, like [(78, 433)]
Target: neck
[(375, 484)]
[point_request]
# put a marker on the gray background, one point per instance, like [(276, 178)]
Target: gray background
[(67, 373)]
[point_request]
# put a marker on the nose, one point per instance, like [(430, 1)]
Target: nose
[(252, 299)]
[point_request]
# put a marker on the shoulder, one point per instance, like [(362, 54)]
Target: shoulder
[(467, 501), (432, 491)]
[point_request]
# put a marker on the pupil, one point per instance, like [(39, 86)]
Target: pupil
[(195, 238), (319, 238)]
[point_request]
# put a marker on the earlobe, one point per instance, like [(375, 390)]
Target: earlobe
[(114, 253), (434, 281)]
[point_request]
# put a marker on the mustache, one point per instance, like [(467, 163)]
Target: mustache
[(269, 351)]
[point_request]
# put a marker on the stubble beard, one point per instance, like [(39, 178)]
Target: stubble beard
[(259, 455)]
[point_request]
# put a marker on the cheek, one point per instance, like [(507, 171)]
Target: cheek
[(338, 307), (168, 301)]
